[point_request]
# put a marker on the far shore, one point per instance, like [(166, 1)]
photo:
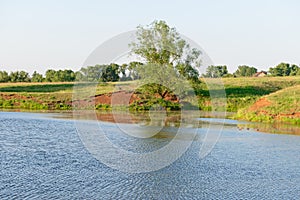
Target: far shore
[(263, 99)]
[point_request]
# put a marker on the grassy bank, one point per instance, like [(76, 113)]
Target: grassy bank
[(241, 93), (51, 96), (283, 105)]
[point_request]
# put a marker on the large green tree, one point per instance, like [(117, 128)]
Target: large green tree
[(66, 75), (51, 76), (284, 69), (168, 59), (110, 73), (295, 70), (244, 70), (19, 76), (4, 77), (102, 73), (216, 71), (37, 77)]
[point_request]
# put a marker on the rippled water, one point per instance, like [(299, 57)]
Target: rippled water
[(42, 157)]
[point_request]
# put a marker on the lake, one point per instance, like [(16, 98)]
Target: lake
[(43, 156)]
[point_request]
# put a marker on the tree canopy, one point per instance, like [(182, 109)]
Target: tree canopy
[(60, 75), (19, 76), (4, 77), (216, 71), (285, 69), (244, 70), (168, 59), (37, 77)]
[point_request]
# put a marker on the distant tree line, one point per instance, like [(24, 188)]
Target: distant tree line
[(109, 73), (114, 72), (283, 69), (103, 73), (50, 76)]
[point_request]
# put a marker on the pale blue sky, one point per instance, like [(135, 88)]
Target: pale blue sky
[(37, 35)]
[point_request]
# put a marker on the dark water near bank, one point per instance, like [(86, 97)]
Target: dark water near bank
[(42, 157)]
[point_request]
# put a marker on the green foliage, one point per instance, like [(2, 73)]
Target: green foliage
[(4, 77), (37, 88), (22, 104), (216, 71), (158, 43), (132, 69), (103, 107), (60, 75), (156, 104), (244, 70), (62, 106), (19, 76), (169, 60), (36, 77), (6, 103), (110, 73), (236, 103), (102, 73), (163, 81), (285, 69)]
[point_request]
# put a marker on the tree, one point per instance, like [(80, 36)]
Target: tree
[(4, 77), (79, 76), (103, 73), (132, 69), (245, 70), (166, 56), (295, 70), (284, 69), (122, 71), (110, 73), (216, 71), (51, 76), (298, 72), (36, 77), (24, 77), (66, 75), (19, 76)]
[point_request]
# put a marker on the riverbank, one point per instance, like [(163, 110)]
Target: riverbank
[(282, 106), (241, 94)]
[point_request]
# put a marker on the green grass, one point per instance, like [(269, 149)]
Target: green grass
[(37, 88), (242, 92), (283, 105)]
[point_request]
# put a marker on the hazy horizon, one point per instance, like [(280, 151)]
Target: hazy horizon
[(39, 35)]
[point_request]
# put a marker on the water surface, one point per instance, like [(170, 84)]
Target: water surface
[(42, 157)]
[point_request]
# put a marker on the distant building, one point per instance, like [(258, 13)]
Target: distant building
[(260, 74)]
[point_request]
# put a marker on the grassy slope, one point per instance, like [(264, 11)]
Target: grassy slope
[(242, 92), (283, 105), (44, 96)]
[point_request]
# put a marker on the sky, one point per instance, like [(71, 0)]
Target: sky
[(61, 34)]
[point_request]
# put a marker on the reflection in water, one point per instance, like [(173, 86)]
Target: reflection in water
[(128, 143), (276, 128), (175, 119), (171, 118)]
